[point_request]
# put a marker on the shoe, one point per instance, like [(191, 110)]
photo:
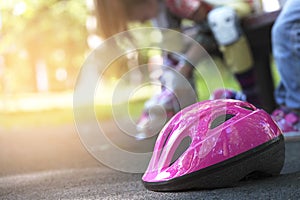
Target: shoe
[(288, 121), (228, 94)]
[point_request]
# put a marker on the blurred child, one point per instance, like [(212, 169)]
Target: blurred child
[(113, 17), (223, 19)]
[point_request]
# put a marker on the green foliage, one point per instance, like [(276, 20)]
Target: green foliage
[(52, 31)]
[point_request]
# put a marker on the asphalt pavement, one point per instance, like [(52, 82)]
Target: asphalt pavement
[(82, 177)]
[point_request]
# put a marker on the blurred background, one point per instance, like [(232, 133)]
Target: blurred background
[(43, 45)]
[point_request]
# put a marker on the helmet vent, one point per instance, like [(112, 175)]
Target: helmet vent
[(220, 120), (182, 147), (247, 108)]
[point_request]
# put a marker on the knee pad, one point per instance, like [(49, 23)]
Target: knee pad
[(224, 24)]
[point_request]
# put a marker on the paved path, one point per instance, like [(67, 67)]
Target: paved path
[(61, 169)]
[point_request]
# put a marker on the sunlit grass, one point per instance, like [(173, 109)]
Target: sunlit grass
[(36, 118), (44, 118), (56, 117), (65, 115)]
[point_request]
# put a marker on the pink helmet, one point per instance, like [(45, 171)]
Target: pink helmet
[(214, 143)]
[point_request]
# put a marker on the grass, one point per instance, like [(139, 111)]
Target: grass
[(65, 115), (60, 116), (36, 118)]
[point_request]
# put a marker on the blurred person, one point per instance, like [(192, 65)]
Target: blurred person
[(113, 17), (286, 51), (223, 19)]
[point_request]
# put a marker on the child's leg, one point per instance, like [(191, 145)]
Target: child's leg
[(177, 92), (238, 58), (286, 51), (225, 26)]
